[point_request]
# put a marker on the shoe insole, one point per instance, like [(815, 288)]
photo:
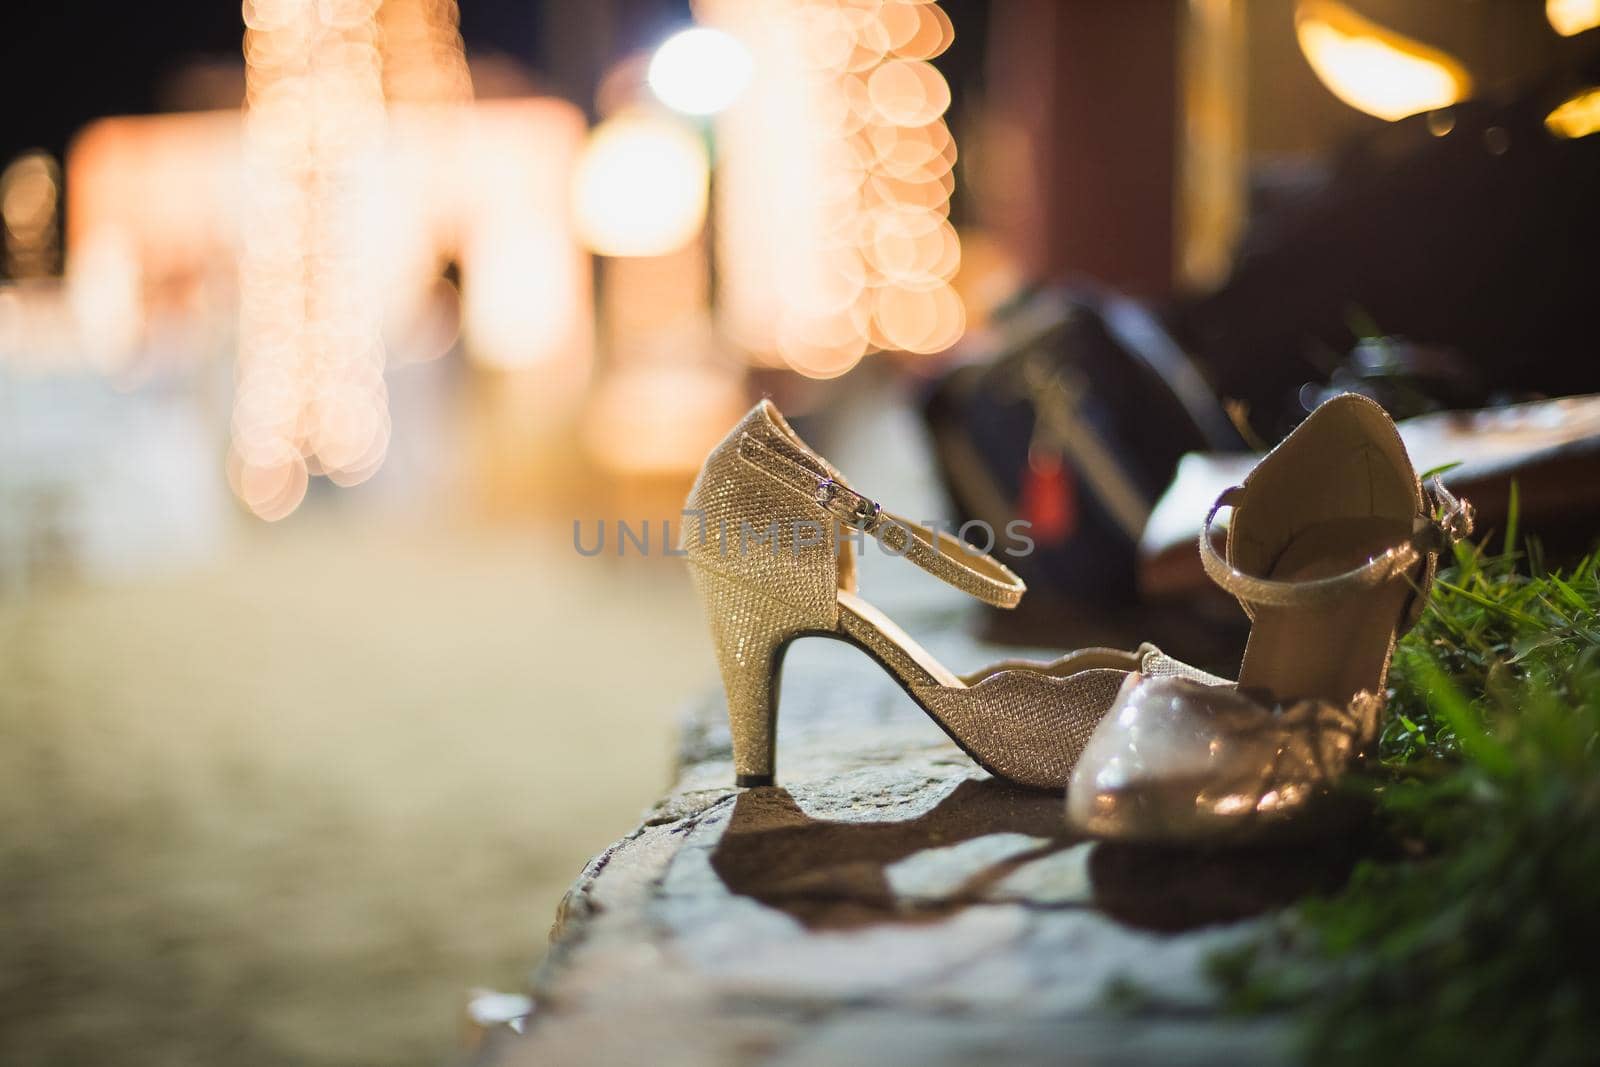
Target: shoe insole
[(898, 649), (866, 623), (1333, 651)]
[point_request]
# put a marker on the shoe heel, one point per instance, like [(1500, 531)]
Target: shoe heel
[(750, 632)]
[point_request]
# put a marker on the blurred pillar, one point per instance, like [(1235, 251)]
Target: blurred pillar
[(1082, 112), (1212, 166)]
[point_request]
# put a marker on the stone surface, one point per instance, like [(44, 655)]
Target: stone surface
[(889, 903)]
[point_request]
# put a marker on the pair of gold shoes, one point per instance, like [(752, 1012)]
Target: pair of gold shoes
[(1331, 551)]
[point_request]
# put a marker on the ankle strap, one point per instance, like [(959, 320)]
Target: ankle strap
[(947, 558), (1448, 520)]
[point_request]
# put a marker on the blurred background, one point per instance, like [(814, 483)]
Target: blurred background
[(324, 322)]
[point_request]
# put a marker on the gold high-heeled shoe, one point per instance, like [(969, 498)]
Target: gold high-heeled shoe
[(1331, 552), (770, 535)]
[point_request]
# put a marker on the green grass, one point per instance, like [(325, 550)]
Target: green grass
[(1471, 936)]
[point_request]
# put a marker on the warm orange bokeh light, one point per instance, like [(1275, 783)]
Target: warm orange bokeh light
[(834, 183), (908, 92), (165, 188), (640, 186), (366, 167), (1572, 17), (1576, 116), (526, 290), (309, 392), (30, 213), (1372, 68), (424, 60)]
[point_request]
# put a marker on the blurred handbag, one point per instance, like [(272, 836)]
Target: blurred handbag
[(1478, 241), (1074, 424)]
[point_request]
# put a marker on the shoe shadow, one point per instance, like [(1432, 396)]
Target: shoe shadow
[(834, 874), (1171, 889)]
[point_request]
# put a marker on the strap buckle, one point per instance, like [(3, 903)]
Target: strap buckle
[(847, 505), (1454, 521)]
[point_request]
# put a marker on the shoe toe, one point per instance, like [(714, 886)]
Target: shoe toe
[(1176, 759)]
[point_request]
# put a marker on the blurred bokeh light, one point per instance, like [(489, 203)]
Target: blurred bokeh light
[(1577, 116), (843, 126), (699, 71), (30, 209), (1571, 17), (1373, 68), (640, 186)]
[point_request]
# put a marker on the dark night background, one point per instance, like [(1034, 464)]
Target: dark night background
[(67, 63), (63, 64)]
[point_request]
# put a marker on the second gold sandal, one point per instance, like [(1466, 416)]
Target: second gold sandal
[(1331, 552), (770, 541)]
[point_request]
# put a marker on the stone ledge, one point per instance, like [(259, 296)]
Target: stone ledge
[(889, 904)]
